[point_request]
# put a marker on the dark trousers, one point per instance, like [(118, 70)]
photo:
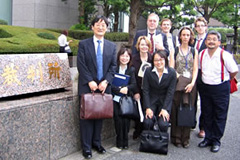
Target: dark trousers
[(121, 127), (215, 103), (199, 85)]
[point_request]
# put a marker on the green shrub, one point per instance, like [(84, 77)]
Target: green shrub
[(3, 22), (46, 36), (4, 34), (79, 27)]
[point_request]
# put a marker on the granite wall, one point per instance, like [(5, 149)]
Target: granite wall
[(44, 126)]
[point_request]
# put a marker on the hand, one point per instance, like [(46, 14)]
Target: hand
[(93, 85), (137, 96), (149, 113), (70, 41), (189, 88), (102, 86), (164, 114), (124, 90)]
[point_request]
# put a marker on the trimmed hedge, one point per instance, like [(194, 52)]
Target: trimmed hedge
[(3, 22), (83, 34), (46, 35), (4, 34)]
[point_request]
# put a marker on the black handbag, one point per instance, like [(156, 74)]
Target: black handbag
[(186, 114), (128, 107), (154, 141)]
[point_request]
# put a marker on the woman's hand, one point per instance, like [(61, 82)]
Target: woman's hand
[(164, 114), (189, 87), (136, 96), (149, 113), (124, 90)]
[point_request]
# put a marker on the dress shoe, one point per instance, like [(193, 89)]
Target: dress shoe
[(100, 149), (178, 145), (125, 147), (204, 143), (201, 134), (215, 148), (87, 154)]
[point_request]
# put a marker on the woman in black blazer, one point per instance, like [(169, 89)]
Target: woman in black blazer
[(158, 89), (122, 124)]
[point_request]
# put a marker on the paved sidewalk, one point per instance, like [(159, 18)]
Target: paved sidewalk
[(230, 148)]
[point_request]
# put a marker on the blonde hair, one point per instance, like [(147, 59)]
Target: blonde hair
[(143, 38), (200, 19)]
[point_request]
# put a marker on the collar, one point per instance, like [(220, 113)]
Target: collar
[(154, 33), (95, 39), (164, 70), (203, 37)]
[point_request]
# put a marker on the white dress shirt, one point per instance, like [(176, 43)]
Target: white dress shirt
[(96, 44), (164, 71), (211, 67)]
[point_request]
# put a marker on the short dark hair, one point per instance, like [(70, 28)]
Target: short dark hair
[(215, 33), (162, 54), (65, 32), (99, 17), (121, 51)]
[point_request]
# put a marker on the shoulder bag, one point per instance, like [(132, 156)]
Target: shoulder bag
[(128, 107), (186, 113)]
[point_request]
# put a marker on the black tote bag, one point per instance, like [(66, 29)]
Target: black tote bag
[(154, 141), (186, 114), (128, 107)]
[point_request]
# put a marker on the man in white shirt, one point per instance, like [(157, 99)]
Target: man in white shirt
[(215, 90), (166, 25)]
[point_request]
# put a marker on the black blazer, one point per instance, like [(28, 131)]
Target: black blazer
[(136, 61), (87, 65), (203, 45), (157, 95), (145, 33), (132, 82)]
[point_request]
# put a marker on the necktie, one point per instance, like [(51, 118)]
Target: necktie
[(151, 39), (198, 43), (99, 61)]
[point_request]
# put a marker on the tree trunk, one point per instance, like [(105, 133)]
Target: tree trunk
[(81, 12), (135, 10), (116, 18), (235, 39)]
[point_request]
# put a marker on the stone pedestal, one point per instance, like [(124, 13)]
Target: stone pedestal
[(30, 73)]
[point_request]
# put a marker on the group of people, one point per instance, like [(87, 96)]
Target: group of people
[(178, 66)]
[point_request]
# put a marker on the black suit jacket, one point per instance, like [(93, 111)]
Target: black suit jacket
[(145, 33), (203, 45), (132, 82), (87, 65), (157, 95)]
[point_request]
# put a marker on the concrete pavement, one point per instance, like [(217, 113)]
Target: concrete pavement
[(230, 148)]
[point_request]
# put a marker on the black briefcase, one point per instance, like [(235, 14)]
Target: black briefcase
[(154, 141)]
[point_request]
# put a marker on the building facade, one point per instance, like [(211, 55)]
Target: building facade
[(40, 13)]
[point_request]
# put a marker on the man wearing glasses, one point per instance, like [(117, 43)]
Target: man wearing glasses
[(201, 28)]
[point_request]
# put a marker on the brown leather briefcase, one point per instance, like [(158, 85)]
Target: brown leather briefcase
[(96, 106)]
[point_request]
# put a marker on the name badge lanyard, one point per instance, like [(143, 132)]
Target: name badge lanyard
[(185, 57)]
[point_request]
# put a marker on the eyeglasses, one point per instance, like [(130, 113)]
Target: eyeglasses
[(159, 60), (212, 39), (198, 26)]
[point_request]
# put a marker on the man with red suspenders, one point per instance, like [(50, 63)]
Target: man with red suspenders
[(216, 71)]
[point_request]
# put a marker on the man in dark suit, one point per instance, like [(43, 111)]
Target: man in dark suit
[(151, 32), (96, 63), (199, 43)]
